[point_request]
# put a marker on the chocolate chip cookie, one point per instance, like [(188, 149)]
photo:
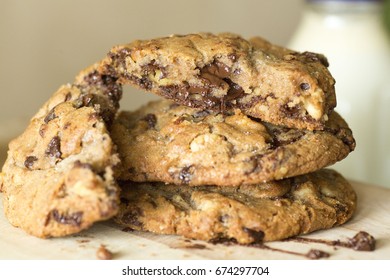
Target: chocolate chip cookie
[(226, 72), (165, 142), (58, 177), (247, 213)]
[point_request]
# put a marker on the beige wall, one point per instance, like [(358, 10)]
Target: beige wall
[(44, 43)]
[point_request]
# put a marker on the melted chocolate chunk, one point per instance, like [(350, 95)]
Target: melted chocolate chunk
[(291, 112), (283, 135), (152, 68), (50, 116), (29, 162), (344, 134), (73, 219), (214, 75), (151, 120), (362, 241), (235, 91), (257, 235), (54, 147), (216, 69)]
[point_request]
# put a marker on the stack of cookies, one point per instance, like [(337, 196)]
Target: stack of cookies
[(236, 150)]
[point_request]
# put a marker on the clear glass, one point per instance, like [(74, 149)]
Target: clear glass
[(352, 35)]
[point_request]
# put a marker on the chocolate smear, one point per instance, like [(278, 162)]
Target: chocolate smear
[(362, 241)]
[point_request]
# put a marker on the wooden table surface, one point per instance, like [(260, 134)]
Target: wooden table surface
[(372, 215)]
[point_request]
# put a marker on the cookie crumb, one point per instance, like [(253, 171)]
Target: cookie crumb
[(103, 253), (315, 254)]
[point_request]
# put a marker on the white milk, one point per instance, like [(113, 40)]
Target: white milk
[(352, 36)]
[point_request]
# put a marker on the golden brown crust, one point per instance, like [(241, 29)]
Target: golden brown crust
[(267, 212), (175, 144), (225, 72)]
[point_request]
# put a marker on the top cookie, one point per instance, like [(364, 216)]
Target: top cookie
[(58, 177), (225, 72), (165, 142)]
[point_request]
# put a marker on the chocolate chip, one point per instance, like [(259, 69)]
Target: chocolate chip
[(216, 69), (29, 162), (106, 84), (112, 89), (88, 100), (144, 83), (314, 254), (212, 80), (73, 219), (304, 86), (185, 175), (362, 241), (152, 67), (50, 116), (68, 97), (53, 149), (257, 235), (314, 57), (151, 120), (131, 217), (235, 91)]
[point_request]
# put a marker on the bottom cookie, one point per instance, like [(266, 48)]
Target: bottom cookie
[(247, 214)]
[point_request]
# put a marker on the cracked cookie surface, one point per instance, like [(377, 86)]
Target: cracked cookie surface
[(226, 72), (247, 213), (58, 177), (165, 142)]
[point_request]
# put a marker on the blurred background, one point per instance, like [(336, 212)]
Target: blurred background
[(44, 43)]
